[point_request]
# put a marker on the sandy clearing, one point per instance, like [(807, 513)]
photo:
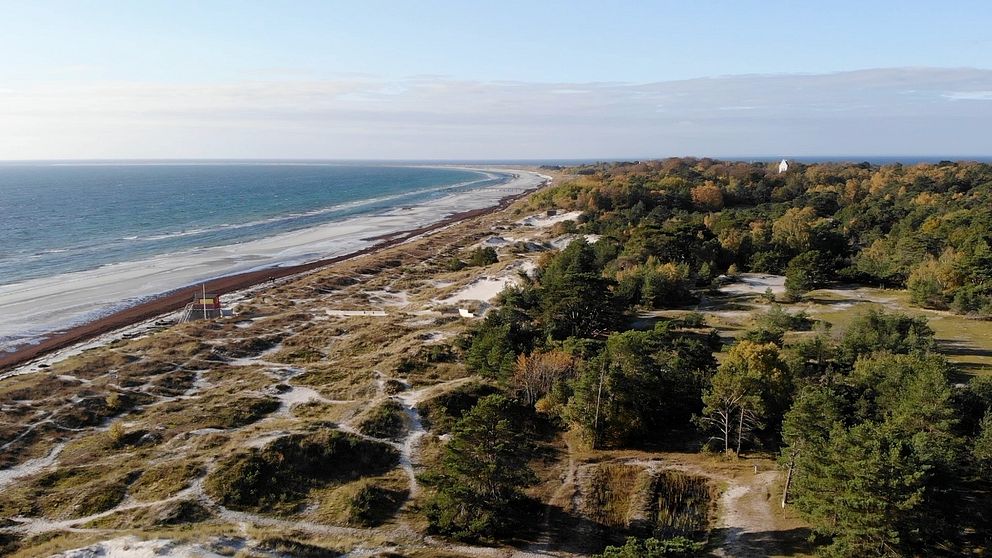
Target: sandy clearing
[(484, 289), (133, 547), (542, 221), (755, 284)]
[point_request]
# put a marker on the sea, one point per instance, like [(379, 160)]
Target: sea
[(80, 240), (60, 218)]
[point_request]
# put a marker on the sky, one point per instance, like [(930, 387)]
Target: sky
[(493, 80)]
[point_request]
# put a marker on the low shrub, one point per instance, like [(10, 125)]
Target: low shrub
[(289, 547), (244, 411), (678, 547), (164, 480), (481, 257), (372, 505)]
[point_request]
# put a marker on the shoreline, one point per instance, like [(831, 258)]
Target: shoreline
[(175, 299)]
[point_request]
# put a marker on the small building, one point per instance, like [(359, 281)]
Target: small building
[(552, 212), (783, 166)]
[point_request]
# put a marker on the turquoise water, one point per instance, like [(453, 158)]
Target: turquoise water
[(60, 218)]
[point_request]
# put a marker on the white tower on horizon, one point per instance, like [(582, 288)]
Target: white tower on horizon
[(783, 166)]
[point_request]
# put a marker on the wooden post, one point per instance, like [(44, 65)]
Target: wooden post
[(599, 394), (740, 431), (788, 479)]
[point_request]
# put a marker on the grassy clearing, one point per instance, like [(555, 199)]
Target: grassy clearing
[(967, 342)]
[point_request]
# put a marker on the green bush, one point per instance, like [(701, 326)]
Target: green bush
[(805, 272), (440, 413), (482, 257), (778, 318)]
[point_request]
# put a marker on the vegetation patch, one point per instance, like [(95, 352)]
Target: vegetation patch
[(181, 513), (9, 542), (680, 504), (219, 412), (610, 490), (676, 547), (425, 357), (283, 546), (439, 413), (373, 504), (68, 492), (249, 347), (628, 499), (386, 420), (282, 472), (165, 480)]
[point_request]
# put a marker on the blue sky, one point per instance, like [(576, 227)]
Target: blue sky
[(461, 79)]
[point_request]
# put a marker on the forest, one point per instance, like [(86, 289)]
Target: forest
[(887, 443)]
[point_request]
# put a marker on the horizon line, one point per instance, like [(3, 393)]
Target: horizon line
[(611, 159)]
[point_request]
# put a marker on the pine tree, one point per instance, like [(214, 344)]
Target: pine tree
[(482, 472)]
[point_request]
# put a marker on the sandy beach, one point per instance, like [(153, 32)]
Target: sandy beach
[(46, 314)]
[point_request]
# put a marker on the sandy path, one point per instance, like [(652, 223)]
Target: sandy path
[(746, 519)]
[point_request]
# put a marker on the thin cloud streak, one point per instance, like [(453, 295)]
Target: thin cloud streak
[(877, 112)]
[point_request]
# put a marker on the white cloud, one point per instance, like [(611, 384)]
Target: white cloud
[(885, 111), (969, 95)]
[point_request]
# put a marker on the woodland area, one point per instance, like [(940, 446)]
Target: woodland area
[(888, 446)]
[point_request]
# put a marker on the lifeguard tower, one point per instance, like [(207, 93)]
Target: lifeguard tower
[(204, 307)]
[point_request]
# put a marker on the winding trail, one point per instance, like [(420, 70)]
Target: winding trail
[(30, 467)]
